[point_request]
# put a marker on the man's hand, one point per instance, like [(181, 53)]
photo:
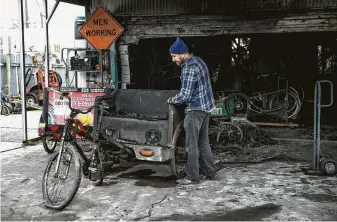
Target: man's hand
[(169, 101)]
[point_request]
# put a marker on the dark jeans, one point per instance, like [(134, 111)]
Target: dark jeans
[(197, 143)]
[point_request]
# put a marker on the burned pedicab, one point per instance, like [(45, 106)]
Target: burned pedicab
[(128, 125)]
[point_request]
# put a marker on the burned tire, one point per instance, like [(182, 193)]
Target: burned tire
[(49, 145), (69, 163), (31, 98), (328, 166), (178, 163), (236, 104)]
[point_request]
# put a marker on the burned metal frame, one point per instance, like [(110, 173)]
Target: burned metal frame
[(48, 18), (22, 69), (23, 63)]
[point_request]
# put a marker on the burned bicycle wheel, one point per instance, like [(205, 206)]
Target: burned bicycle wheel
[(49, 144), (229, 133), (224, 133), (59, 188), (293, 105)]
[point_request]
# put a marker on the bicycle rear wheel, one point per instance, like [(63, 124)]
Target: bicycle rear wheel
[(59, 189), (49, 144)]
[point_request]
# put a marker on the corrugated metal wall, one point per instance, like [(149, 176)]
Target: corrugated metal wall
[(167, 7), (15, 69)]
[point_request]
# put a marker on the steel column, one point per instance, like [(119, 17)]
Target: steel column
[(46, 55), (22, 69), (46, 69)]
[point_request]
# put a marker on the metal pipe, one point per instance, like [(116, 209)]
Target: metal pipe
[(8, 64), (1, 53), (46, 56), (17, 79), (52, 11), (46, 69), (315, 129), (22, 69)]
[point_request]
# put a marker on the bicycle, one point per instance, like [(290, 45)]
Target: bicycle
[(284, 99), (68, 159)]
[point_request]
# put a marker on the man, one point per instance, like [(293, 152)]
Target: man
[(196, 93)]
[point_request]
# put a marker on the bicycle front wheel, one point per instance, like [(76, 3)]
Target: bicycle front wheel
[(60, 188), (294, 103)]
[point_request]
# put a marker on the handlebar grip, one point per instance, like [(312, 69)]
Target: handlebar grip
[(66, 94)]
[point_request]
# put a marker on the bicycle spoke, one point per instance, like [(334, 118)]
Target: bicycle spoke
[(57, 192)]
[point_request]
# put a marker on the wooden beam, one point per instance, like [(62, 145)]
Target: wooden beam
[(304, 140), (77, 2), (137, 28), (276, 124)]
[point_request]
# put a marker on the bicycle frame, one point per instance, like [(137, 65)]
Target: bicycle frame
[(75, 127), (68, 136)]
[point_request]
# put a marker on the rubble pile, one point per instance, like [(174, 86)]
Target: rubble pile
[(255, 145), (327, 132)]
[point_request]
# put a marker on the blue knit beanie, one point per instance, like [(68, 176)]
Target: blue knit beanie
[(178, 47)]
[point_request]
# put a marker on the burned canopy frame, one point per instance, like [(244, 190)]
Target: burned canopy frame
[(48, 18), (45, 90), (22, 69), (23, 63)]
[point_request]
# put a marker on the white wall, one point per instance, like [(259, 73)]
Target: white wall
[(61, 26)]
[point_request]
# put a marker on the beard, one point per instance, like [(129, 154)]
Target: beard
[(181, 60)]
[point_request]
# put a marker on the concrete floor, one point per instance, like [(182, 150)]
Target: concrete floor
[(11, 133), (140, 191)]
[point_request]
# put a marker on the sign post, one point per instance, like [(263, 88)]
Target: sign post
[(101, 29)]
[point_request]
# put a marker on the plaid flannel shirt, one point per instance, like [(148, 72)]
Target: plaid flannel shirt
[(196, 90)]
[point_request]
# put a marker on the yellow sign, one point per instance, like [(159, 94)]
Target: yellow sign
[(101, 29)]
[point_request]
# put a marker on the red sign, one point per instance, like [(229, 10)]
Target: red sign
[(58, 110), (101, 29)]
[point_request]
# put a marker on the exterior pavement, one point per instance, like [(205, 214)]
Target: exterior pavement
[(141, 191), (11, 133)]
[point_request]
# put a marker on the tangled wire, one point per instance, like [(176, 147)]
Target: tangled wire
[(242, 141)]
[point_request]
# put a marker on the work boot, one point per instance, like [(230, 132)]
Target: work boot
[(214, 176)]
